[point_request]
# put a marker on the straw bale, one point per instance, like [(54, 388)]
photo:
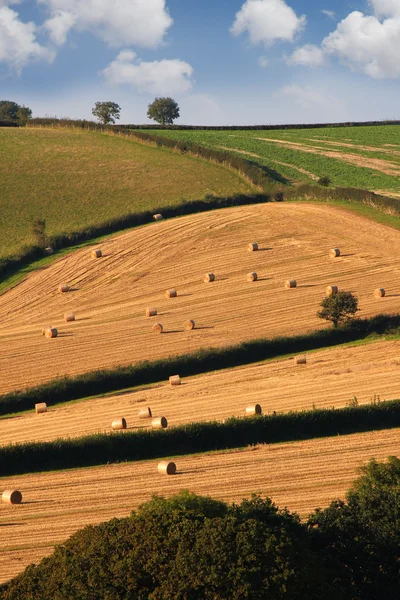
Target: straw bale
[(48, 251), (158, 217), (254, 409), (290, 283), (334, 252), (151, 312), (64, 287), (208, 277), (145, 413), (379, 293), (171, 293), (300, 360), (166, 467), (11, 497), (331, 290), (189, 325), (118, 424), (175, 380), (252, 277), (96, 253), (252, 247), (159, 423), (52, 332), (68, 317), (157, 328), (40, 407)]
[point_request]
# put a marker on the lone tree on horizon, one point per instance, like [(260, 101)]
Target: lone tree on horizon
[(163, 110), (14, 113), (339, 308), (106, 112)]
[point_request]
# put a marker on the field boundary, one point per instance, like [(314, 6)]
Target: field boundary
[(99, 449), (100, 382)]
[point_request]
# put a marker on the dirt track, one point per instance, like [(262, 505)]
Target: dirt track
[(301, 476), (109, 295)]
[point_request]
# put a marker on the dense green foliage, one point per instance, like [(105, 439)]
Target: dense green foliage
[(339, 308), (190, 547), (163, 110), (106, 112), (202, 361), (13, 113), (143, 444)]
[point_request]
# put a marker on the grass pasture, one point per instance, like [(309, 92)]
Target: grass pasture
[(58, 503), (109, 295), (76, 179), (363, 157), (331, 377)]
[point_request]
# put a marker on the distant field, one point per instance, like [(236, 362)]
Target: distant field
[(76, 179), (110, 295), (364, 157), (300, 475), (331, 377)]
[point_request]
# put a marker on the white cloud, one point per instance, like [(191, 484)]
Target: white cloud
[(18, 45), (118, 22), (263, 62), (385, 8), (329, 13), (366, 44), (311, 97), (308, 55), (267, 21), (157, 77)]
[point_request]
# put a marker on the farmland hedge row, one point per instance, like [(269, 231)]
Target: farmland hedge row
[(100, 449), (201, 361)]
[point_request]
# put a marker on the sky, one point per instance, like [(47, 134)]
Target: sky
[(226, 62)]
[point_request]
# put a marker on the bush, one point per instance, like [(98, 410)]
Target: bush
[(325, 181)]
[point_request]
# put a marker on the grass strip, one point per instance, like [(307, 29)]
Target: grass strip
[(194, 438), (209, 359)]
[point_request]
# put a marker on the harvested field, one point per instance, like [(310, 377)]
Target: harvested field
[(109, 295), (57, 504), (330, 378)]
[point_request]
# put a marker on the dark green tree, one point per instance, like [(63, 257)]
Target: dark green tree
[(163, 110), (23, 115), (14, 113), (339, 308), (106, 112)]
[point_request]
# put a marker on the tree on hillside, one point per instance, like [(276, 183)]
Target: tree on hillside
[(339, 308), (106, 112), (14, 113), (39, 232), (163, 111)]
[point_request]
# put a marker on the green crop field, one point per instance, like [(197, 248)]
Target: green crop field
[(75, 179), (364, 157)]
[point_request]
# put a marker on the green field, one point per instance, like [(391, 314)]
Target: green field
[(76, 179), (364, 157)]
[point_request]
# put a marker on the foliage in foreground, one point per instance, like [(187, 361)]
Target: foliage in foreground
[(195, 548)]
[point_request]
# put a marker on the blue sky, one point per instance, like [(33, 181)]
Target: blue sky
[(224, 61)]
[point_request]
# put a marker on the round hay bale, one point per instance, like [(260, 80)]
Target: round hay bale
[(96, 253), (40, 407), (175, 380), (334, 252), (46, 328), (69, 317), (157, 328), (151, 312), (51, 332), (118, 424), (290, 283), (166, 467), (145, 413), (252, 247), (189, 325), (252, 277), (300, 360), (253, 410), (171, 293), (48, 251), (12, 497), (379, 293), (158, 217), (159, 423), (331, 290), (64, 287), (208, 277)]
